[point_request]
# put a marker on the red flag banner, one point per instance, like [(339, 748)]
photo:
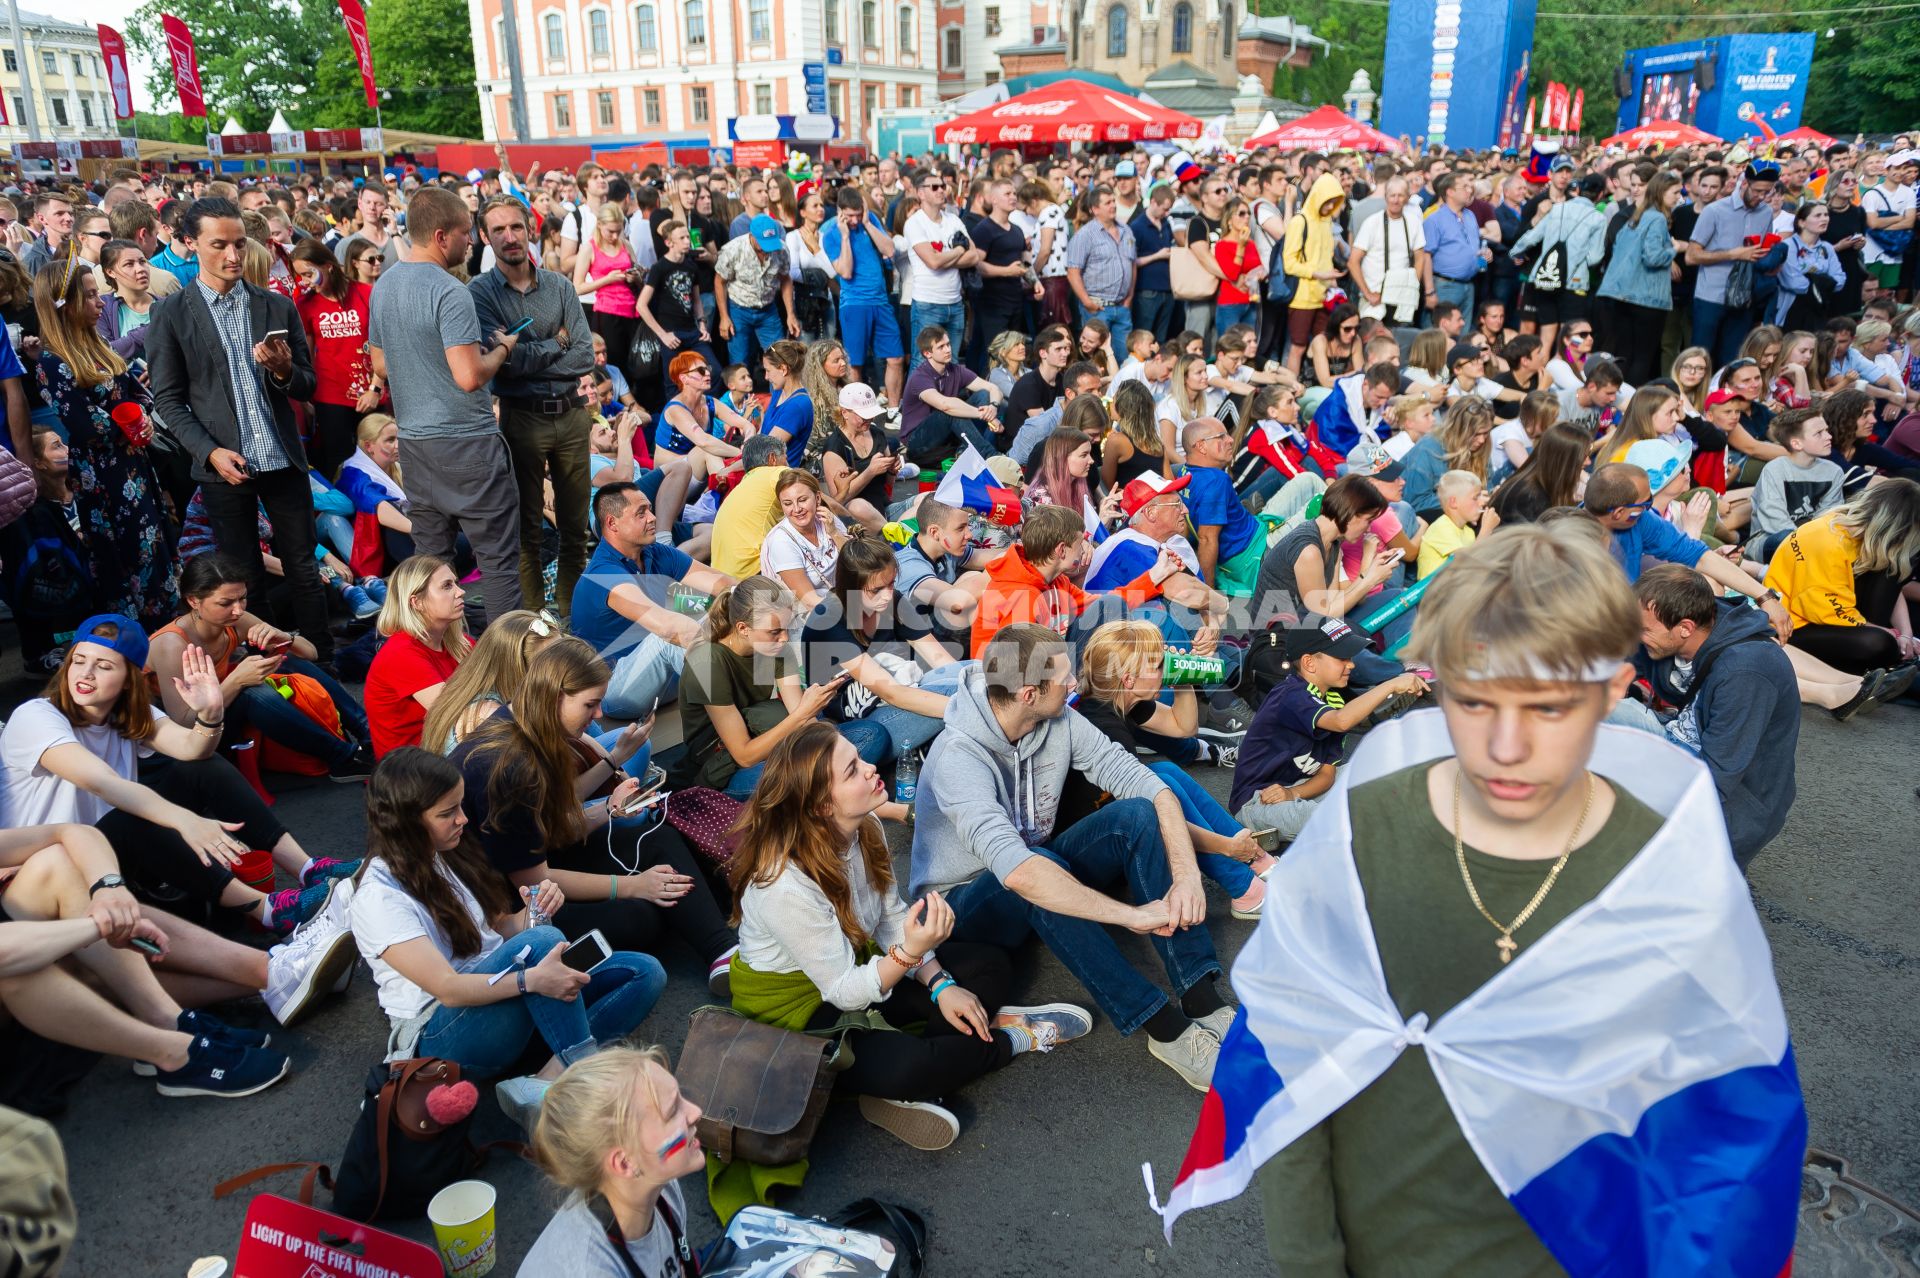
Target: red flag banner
[(1526, 130), (113, 52), (362, 50), (1579, 104), (186, 67)]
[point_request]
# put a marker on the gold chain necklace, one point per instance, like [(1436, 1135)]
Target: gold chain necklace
[(1506, 944)]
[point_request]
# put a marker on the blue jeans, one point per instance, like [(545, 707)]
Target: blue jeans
[(1720, 328), (281, 722), (1459, 292), (486, 1040), (939, 434), (649, 671), (337, 532), (1153, 311), (951, 316), (1231, 313), (762, 322), (1118, 844), (1119, 322), (1203, 810), (907, 731), (869, 738)]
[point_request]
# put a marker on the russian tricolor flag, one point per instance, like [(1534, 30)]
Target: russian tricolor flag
[(1627, 1081), (971, 486)]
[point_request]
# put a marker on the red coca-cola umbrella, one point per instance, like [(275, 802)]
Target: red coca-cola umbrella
[(1069, 111), (1662, 132), (1324, 129)]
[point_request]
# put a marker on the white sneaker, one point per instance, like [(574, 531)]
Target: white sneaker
[(921, 1124), (1191, 1056), (520, 1099), (1217, 1022), (312, 962)]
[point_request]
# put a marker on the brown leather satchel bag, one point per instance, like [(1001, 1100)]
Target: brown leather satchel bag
[(763, 1088)]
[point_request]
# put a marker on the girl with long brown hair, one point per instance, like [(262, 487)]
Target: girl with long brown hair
[(130, 541), (826, 941), (432, 918), (531, 772)]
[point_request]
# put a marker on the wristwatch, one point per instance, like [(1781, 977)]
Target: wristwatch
[(106, 881)]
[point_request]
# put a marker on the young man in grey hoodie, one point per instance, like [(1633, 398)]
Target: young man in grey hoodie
[(985, 837)]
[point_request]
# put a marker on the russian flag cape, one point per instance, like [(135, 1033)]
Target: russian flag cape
[(1627, 1080), (971, 486)]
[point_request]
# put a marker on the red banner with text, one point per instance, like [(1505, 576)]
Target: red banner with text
[(362, 50), (186, 67)]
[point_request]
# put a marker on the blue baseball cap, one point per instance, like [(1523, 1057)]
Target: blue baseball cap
[(1658, 459), (122, 634), (767, 233)]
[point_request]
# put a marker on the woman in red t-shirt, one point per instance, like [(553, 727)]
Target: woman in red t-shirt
[(425, 624), (334, 310)]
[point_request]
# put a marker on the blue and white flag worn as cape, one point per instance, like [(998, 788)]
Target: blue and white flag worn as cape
[(1627, 1080)]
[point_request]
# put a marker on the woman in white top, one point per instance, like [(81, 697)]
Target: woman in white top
[(825, 939), (815, 308), (435, 921), (803, 547), (1189, 396), (74, 754), (616, 1132)]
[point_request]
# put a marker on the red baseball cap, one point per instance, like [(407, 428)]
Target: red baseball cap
[(1723, 395), (1143, 488)]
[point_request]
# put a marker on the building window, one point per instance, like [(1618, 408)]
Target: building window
[(909, 95), (650, 106), (12, 63), (1183, 28), (700, 113), (833, 22), (908, 21), (759, 21), (696, 24), (499, 46), (599, 34), (869, 103), (1117, 31), (562, 111), (556, 38), (837, 99), (60, 112), (79, 67), (993, 19), (86, 111), (870, 24), (19, 109), (950, 49), (646, 36), (605, 103), (1227, 29), (48, 65), (763, 99)]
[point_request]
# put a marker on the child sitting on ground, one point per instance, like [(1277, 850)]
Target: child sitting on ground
[(1795, 488), (739, 396), (1411, 417), (1463, 509)]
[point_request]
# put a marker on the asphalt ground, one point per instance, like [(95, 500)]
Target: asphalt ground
[(1045, 1178)]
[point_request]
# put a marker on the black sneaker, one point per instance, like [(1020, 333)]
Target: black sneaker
[(1235, 716), (206, 1025), (357, 766), (214, 1068)]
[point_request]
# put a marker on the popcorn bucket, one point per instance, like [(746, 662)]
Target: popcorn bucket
[(462, 1216)]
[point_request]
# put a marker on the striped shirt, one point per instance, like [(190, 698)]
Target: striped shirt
[(259, 443)]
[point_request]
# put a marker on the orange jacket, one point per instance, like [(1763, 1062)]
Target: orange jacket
[(1016, 593)]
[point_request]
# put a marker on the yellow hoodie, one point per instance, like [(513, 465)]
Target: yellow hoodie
[(1813, 571), (1309, 244)]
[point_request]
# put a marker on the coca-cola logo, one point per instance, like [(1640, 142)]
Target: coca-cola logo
[(962, 135), (1011, 133), (1119, 132), (1076, 132), (1044, 109), (1153, 131)]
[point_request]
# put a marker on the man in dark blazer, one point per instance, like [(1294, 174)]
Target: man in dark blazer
[(226, 360)]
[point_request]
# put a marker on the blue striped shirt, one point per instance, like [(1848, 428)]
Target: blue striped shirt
[(259, 443)]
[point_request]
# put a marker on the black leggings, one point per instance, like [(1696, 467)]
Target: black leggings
[(696, 918), (157, 862), (941, 1060), (1858, 649)]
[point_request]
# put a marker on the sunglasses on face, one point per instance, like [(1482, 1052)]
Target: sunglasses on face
[(1579, 337)]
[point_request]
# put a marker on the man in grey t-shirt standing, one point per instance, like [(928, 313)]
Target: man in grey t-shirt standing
[(1729, 231), (426, 342)]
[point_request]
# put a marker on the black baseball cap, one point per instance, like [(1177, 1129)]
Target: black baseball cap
[(1335, 638), (1462, 352)]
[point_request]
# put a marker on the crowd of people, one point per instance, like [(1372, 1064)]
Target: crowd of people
[(982, 499)]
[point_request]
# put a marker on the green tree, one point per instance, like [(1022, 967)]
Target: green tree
[(252, 55), (423, 52)]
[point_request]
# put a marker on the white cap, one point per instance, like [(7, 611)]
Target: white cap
[(859, 397)]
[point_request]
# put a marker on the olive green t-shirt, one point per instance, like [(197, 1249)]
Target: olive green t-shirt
[(716, 675), (1387, 1186)]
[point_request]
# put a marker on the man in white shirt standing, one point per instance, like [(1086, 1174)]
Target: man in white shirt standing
[(576, 228), (1389, 253), (1890, 209), (938, 238)]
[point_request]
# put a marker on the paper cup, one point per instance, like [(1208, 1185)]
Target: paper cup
[(462, 1216)]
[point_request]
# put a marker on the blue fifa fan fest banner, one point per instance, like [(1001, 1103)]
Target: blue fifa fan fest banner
[(1728, 85), (1449, 66)]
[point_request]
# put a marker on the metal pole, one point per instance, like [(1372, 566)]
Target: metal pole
[(517, 81), (26, 72)]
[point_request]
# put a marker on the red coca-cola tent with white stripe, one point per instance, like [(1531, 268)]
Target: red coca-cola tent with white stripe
[(1324, 129), (1069, 111)]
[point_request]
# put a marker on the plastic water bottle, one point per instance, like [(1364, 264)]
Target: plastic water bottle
[(906, 778)]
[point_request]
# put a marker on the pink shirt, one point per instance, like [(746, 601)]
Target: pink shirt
[(1386, 528)]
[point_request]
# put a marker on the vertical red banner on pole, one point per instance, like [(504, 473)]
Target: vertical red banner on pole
[(356, 18), (186, 67), (113, 52), (1579, 105)]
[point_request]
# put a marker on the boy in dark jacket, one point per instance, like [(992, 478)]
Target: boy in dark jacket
[(1726, 691)]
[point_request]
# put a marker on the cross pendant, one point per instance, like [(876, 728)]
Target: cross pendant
[(1506, 946)]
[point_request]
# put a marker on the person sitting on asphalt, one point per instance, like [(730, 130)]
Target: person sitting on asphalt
[(751, 510), (1293, 750), (489, 679), (1230, 544), (824, 934), (940, 570), (987, 838), (621, 604), (858, 461), (1352, 408), (616, 1133), (424, 625), (1724, 689), (1032, 582), (57, 930), (73, 754), (435, 920), (946, 406), (247, 655)]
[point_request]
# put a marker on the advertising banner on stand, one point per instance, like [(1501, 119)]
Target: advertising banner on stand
[(186, 67), (113, 52)]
